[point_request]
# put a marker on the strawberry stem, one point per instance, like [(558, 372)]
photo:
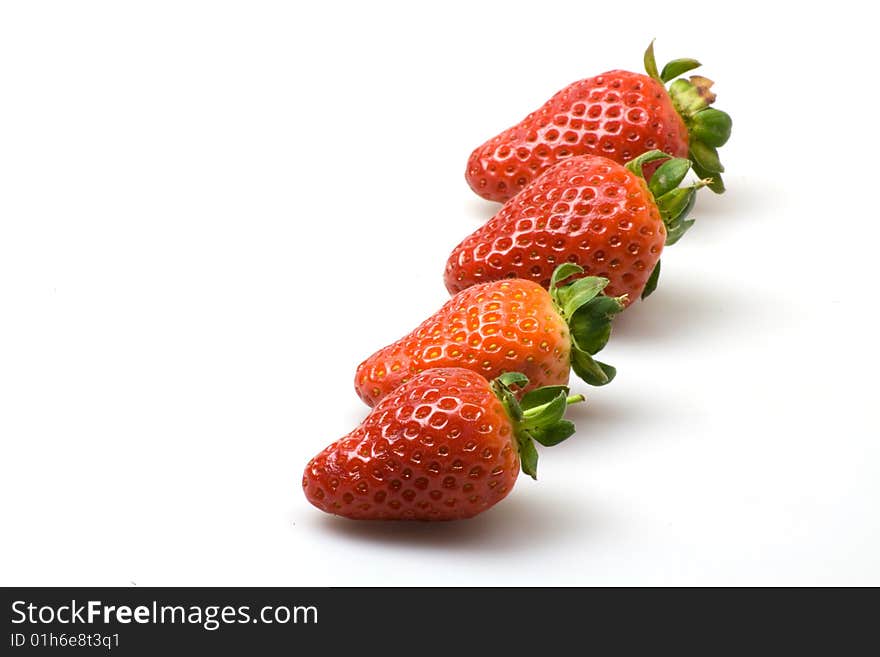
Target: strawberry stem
[(538, 417), (674, 202), (536, 411), (708, 128), (588, 314)]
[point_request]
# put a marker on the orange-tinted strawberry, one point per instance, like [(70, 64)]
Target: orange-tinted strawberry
[(586, 210), (618, 115), (447, 444), (503, 326)]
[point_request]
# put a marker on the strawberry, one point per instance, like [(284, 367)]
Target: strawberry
[(502, 326), (447, 444), (618, 115), (585, 210)]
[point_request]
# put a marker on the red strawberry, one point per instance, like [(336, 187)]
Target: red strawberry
[(448, 444), (586, 210), (618, 115), (502, 326)]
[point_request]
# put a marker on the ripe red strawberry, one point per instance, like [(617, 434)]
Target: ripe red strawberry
[(448, 444), (618, 115), (503, 326), (586, 210)]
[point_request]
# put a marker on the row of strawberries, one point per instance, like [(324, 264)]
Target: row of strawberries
[(591, 190)]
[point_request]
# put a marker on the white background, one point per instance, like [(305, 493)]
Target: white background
[(211, 212)]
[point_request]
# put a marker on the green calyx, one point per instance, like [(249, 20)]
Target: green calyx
[(588, 314), (674, 202), (708, 128), (537, 417)]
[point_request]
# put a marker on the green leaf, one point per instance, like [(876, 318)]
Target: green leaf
[(590, 370), (716, 184), (501, 387), (592, 333), (590, 326), (673, 203), (561, 273), (514, 410), (580, 292), (543, 422), (675, 214), (609, 370), (528, 457), (668, 176), (651, 62), (706, 157), (541, 396), (653, 279), (508, 400), (711, 126), (564, 271), (677, 67), (676, 232), (556, 434), (635, 165), (674, 208), (687, 97), (546, 414), (513, 378), (708, 128)]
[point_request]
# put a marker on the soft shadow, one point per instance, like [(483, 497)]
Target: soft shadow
[(746, 200), (480, 210), (686, 303), (605, 414), (520, 522), (743, 195), (680, 309)]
